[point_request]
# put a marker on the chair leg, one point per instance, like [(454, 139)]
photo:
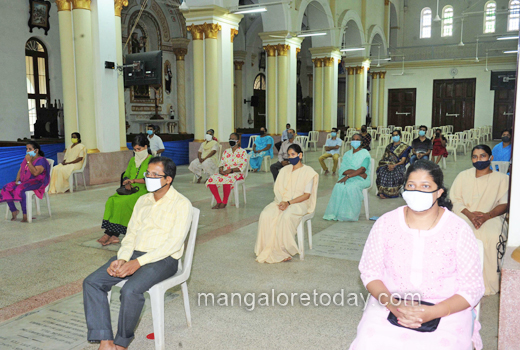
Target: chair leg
[(301, 248), (37, 200), (29, 208), (71, 183), (186, 298), (157, 301), (309, 232), (237, 201), (84, 182), (48, 203), (365, 195), (244, 191), (6, 211)]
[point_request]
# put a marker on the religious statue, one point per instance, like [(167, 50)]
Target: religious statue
[(168, 78)]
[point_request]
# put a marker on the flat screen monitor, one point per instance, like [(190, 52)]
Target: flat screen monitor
[(143, 68)]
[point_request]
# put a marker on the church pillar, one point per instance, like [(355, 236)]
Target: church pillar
[(180, 49), (311, 84), (211, 78), (197, 35), (351, 94), (361, 96), (70, 111), (283, 81), (239, 96), (386, 22), (381, 99), (271, 88), (374, 100), (318, 94), (118, 6), (84, 73)]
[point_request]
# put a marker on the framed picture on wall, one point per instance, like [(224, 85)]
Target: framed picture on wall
[(39, 15)]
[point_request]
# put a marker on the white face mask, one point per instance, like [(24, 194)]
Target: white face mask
[(419, 201), (208, 137), (153, 184)]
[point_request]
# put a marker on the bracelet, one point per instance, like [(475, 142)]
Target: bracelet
[(288, 202)]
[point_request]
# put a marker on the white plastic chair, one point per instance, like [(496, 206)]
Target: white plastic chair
[(481, 252), (449, 129), (408, 129), (372, 182), (314, 137), (302, 140), (462, 141), (181, 277), (384, 141), (452, 145), (237, 184), (266, 161), (300, 233), (251, 142), (29, 196), (502, 166), (75, 173), (407, 137), (329, 162)]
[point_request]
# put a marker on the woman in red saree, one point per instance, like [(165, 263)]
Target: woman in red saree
[(32, 176)]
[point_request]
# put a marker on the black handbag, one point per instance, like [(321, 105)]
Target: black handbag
[(124, 192), (426, 327)]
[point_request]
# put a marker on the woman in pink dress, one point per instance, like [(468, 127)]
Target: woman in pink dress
[(232, 165), (424, 252)]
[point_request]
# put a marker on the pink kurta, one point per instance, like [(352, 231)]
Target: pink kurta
[(230, 160), (437, 264)]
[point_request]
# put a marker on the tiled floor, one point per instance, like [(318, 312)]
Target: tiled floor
[(43, 264)]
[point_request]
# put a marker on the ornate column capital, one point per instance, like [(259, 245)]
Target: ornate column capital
[(211, 30), (81, 4), (271, 50), (350, 70), (387, 2), (197, 31), (375, 75), (282, 49), (328, 61), (180, 53), (359, 69), (318, 62), (298, 50), (63, 5), (234, 33), (238, 65), (118, 6), (382, 75)]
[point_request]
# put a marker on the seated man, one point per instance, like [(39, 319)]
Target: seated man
[(156, 144), (283, 156), (207, 159), (502, 151), (421, 146), (284, 137), (332, 149), (148, 255)]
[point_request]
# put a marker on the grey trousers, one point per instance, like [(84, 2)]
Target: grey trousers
[(97, 310), (275, 169)]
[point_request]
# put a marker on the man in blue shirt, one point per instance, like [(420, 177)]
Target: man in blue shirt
[(502, 151), (285, 137), (332, 149)]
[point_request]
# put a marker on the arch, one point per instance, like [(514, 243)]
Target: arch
[(513, 17), (394, 24), (447, 21), (277, 18), (354, 29), (259, 82), (376, 35), (37, 78), (426, 23), (319, 16), (490, 16), (146, 16)]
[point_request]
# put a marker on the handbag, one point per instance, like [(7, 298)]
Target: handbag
[(426, 327), (123, 191)]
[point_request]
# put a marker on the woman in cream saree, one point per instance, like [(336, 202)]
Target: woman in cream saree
[(295, 192), (72, 160)]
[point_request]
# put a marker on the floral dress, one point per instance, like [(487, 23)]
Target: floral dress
[(230, 160)]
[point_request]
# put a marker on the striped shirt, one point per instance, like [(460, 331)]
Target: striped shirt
[(158, 228)]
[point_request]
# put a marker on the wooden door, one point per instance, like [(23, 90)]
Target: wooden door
[(454, 103), (259, 111), (401, 107), (503, 111)]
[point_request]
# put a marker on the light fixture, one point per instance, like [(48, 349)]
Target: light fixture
[(386, 59), (303, 35), (259, 9), (507, 38), (511, 51), (437, 18), (353, 49)]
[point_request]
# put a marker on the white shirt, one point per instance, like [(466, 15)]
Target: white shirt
[(333, 143), (155, 143)]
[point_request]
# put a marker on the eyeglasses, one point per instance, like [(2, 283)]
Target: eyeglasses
[(154, 175)]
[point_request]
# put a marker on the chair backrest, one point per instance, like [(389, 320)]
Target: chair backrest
[(384, 140), (246, 169), (373, 133), (251, 142), (453, 140), (408, 129), (219, 152), (51, 166), (407, 137), (314, 136), (328, 136), (503, 167), (379, 128), (84, 163), (187, 258), (415, 134), (372, 173)]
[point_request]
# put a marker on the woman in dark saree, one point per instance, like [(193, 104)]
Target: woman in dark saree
[(391, 169)]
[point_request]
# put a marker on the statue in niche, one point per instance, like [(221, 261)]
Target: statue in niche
[(138, 43), (168, 77)]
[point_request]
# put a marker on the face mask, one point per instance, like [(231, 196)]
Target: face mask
[(333, 134), (422, 133), (294, 160), (481, 165), (290, 135), (262, 132), (140, 156), (396, 138), (506, 139), (438, 134), (149, 132), (208, 137), (232, 143), (32, 153), (74, 140), (153, 184), (355, 144), (363, 130), (418, 200)]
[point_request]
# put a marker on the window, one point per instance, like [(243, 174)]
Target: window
[(490, 16), (37, 76), (426, 23), (513, 19), (259, 83), (447, 21)]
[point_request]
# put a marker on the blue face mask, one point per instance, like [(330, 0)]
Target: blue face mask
[(294, 160), (422, 133), (32, 153), (396, 138), (333, 134), (355, 144), (481, 165), (149, 132)]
